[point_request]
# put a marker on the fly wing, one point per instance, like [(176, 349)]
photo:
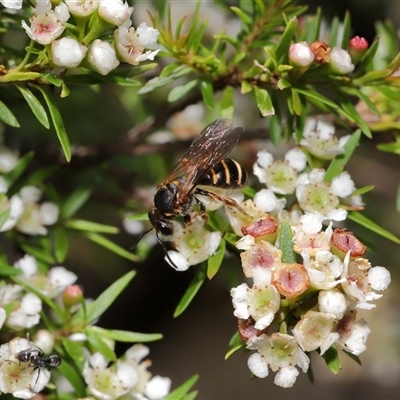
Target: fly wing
[(213, 144)]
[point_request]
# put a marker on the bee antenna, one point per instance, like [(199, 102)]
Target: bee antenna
[(140, 238), (162, 244)]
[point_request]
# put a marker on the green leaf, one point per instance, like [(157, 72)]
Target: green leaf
[(282, 48), (372, 226), (333, 32), (7, 116), (5, 213), (180, 91), (235, 344), (58, 123), (207, 92), (297, 106), (74, 350), (61, 244), (181, 391), (337, 164), (313, 95), (286, 243), (390, 93), (233, 349), (89, 226), (331, 358), (353, 357), (227, 104), (215, 261), (74, 378), (38, 110), (99, 343), (109, 245), (192, 290), (346, 30), (362, 96), (138, 217), (95, 309), (243, 16), (19, 168), (162, 81), (76, 200), (41, 254), (275, 129), (125, 336), (264, 102)]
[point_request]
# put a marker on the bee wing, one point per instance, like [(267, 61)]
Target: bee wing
[(213, 144)]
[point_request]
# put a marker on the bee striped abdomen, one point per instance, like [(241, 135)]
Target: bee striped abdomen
[(226, 174)]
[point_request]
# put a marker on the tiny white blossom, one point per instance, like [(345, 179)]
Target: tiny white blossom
[(27, 314), (8, 159), (342, 185), (157, 387), (82, 8), (115, 12), (47, 24), (67, 52)]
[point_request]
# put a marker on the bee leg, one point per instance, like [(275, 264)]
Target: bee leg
[(189, 218), (203, 211), (226, 200)]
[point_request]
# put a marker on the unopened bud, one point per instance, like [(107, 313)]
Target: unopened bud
[(340, 61), (300, 55), (72, 295), (358, 46)]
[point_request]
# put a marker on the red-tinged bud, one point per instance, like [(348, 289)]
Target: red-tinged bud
[(247, 330), (321, 52), (358, 46), (291, 280), (343, 242), (72, 295), (265, 229)]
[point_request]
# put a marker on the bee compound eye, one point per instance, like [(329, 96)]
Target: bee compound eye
[(54, 360)]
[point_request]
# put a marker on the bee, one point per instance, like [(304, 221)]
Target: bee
[(203, 164), (35, 357)]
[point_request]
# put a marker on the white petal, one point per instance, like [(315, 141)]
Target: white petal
[(158, 387), (258, 365), (379, 278)]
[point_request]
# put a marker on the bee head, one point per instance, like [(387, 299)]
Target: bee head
[(165, 197), (161, 223)]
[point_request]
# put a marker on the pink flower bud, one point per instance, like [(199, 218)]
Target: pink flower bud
[(357, 48), (72, 295), (102, 57), (300, 55)]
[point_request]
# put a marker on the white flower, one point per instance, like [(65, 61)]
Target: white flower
[(82, 8), (8, 159), (130, 44), (342, 185), (67, 52), (194, 243), (46, 24), (35, 216), (157, 387), (16, 206), (115, 12), (27, 314), (102, 57), (15, 377), (16, 4)]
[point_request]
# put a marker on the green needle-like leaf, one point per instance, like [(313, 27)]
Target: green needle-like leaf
[(125, 336), (215, 261), (192, 290), (58, 123), (286, 243), (182, 391), (331, 358), (35, 105), (89, 226), (95, 309), (264, 102), (7, 116)]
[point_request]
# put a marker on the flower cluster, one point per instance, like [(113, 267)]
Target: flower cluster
[(308, 279), (293, 307), (71, 46)]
